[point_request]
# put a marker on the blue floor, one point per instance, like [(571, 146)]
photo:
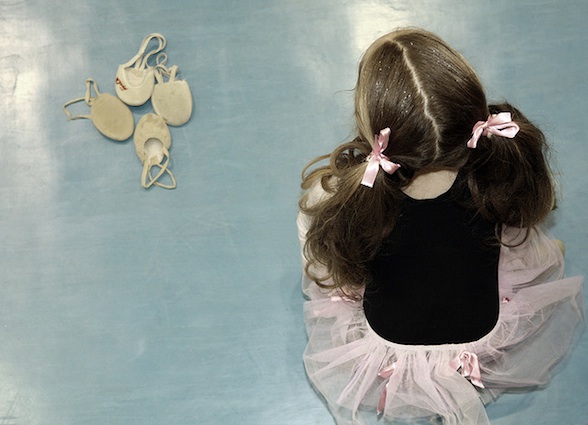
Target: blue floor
[(126, 306)]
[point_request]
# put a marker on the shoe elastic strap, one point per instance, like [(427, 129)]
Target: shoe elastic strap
[(87, 98), (163, 168), (142, 63), (162, 70), (161, 59)]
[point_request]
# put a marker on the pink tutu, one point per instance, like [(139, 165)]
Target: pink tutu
[(366, 379)]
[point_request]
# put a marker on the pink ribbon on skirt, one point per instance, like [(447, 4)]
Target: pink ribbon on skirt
[(385, 373), (470, 367)]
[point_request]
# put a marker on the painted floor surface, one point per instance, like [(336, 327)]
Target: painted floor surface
[(123, 306)]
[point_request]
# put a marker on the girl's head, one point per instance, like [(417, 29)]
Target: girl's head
[(429, 96), (426, 92)]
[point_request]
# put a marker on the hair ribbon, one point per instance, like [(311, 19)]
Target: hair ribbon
[(500, 124), (377, 159)]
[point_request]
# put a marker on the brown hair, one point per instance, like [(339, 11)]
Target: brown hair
[(427, 93)]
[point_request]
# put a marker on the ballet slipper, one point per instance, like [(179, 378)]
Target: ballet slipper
[(152, 142), (135, 79), (171, 99), (110, 115)]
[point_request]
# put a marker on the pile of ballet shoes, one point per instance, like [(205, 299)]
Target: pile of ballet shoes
[(136, 82)]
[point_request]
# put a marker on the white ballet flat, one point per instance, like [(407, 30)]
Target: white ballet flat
[(110, 116), (152, 143), (135, 79), (171, 99)]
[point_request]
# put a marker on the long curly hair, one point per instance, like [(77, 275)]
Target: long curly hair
[(430, 97)]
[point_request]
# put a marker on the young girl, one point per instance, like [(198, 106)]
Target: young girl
[(431, 287)]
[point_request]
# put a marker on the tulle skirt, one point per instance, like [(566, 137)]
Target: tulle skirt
[(366, 379)]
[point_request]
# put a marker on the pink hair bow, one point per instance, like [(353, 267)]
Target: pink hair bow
[(470, 367), (377, 159), (499, 124)]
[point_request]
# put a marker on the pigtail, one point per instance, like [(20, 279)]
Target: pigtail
[(350, 221), (509, 178)]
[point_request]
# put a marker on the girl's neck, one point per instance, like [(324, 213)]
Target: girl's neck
[(430, 184)]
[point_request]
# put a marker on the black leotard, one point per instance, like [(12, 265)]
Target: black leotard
[(435, 278)]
